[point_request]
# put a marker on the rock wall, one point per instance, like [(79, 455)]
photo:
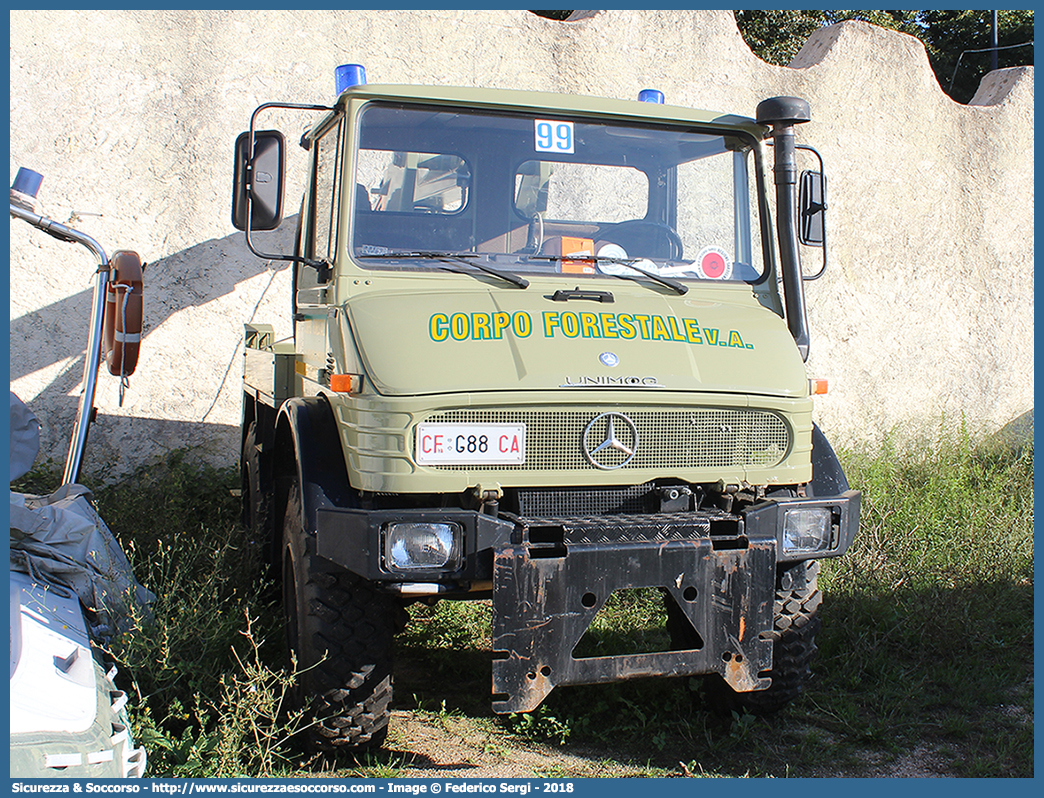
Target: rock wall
[(925, 312)]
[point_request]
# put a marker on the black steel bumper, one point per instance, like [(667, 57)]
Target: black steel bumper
[(542, 607), (551, 576)]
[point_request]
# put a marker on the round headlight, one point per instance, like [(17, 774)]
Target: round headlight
[(421, 546), (806, 529)]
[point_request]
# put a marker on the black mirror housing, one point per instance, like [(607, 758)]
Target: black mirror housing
[(258, 183), (812, 209)]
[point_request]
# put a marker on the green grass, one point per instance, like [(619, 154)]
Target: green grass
[(927, 640), (929, 627)]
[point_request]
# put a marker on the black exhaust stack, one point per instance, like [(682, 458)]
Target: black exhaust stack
[(783, 113)]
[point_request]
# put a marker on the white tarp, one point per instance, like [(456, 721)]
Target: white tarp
[(25, 437), (61, 540)]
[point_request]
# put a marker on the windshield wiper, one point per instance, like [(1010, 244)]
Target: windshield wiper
[(454, 257), (674, 285)]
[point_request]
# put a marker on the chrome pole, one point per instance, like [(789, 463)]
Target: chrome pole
[(85, 412)]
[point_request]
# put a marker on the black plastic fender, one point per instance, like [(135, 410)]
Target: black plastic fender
[(309, 443), (828, 478)]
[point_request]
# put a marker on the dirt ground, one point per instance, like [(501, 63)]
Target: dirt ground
[(438, 731), (453, 747), (444, 746)]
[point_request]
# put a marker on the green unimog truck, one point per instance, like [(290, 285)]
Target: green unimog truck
[(545, 348)]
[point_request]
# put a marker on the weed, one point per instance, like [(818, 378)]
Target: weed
[(448, 627), (378, 765), (256, 724), (632, 621), (43, 478), (540, 725), (210, 690), (742, 726), (928, 619), (442, 717)]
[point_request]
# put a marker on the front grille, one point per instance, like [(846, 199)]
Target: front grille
[(667, 439)]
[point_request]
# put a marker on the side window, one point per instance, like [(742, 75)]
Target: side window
[(414, 182), (327, 179), (319, 235)]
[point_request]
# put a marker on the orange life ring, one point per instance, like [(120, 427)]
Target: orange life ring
[(121, 327)]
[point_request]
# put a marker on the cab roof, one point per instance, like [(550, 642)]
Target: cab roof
[(572, 104)]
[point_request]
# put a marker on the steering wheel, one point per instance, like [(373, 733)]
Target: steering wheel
[(652, 230)]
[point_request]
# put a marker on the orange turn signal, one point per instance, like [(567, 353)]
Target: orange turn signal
[(817, 387), (345, 383)]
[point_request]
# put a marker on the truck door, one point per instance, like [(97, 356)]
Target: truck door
[(318, 243)]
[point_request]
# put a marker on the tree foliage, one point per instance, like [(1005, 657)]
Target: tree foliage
[(777, 36), (951, 37), (557, 14), (957, 42)]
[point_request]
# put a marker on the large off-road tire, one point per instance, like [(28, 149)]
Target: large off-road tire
[(340, 631), (263, 535), (796, 622)]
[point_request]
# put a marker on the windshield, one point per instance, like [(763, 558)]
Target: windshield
[(449, 189)]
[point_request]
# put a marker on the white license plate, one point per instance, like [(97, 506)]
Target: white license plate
[(477, 444)]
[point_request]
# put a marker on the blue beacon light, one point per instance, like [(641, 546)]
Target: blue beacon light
[(348, 75), (25, 187), (27, 182), (651, 96)]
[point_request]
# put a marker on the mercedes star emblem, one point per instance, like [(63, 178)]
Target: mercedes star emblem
[(610, 441)]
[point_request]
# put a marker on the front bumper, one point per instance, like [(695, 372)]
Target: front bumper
[(543, 606), (551, 576)]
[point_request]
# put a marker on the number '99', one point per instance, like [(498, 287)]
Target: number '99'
[(554, 136)]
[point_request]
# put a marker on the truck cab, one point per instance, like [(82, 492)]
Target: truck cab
[(545, 348)]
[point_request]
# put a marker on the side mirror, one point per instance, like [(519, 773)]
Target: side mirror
[(812, 209), (258, 182)]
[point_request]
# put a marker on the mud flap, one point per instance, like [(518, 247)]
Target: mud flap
[(542, 605)]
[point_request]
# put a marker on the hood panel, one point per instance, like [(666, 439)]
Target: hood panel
[(425, 343)]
